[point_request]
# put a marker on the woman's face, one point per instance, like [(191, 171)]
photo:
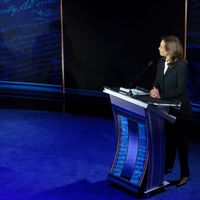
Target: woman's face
[(162, 49)]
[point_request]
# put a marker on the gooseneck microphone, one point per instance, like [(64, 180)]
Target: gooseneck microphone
[(140, 74)]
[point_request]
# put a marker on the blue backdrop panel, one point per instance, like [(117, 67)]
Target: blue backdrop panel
[(193, 51), (30, 41)]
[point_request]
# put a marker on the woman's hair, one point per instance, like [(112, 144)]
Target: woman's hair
[(174, 48)]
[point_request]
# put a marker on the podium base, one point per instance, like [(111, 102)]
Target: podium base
[(156, 190), (146, 193)]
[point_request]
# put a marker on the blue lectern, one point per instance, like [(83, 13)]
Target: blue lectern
[(139, 161)]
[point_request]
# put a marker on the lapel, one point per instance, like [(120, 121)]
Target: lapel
[(162, 68), (169, 69)]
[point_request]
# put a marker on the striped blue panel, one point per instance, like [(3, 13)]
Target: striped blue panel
[(132, 152), (122, 146), (141, 157)]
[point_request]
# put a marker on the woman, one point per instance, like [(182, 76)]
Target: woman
[(171, 83)]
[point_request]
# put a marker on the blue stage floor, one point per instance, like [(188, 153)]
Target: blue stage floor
[(54, 156)]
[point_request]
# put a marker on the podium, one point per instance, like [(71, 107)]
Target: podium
[(139, 162)]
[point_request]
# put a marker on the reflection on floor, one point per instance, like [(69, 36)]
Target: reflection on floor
[(55, 156)]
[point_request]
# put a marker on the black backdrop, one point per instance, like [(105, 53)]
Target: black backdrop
[(109, 42)]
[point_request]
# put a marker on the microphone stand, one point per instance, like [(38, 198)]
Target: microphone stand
[(139, 75)]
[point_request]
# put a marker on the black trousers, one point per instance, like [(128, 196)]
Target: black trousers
[(176, 141)]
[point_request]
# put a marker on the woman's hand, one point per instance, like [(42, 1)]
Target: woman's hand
[(155, 93)]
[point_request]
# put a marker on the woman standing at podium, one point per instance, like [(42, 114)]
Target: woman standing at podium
[(171, 83)]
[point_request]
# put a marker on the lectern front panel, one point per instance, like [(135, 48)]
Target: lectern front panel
[(140, 154), (132, 154)]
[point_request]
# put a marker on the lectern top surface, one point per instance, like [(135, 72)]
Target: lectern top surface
[(161, 102), (125, 97)]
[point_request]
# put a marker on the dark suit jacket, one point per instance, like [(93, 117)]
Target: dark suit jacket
[(173, 85)]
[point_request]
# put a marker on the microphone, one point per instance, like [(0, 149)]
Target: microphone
[(139, 75)]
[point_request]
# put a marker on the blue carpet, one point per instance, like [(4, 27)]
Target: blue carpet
[(54, 156)]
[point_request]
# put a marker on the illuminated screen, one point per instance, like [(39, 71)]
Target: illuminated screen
[(30, 41)]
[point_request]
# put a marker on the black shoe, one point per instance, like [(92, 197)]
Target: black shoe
[(182, 181), (167, 171)]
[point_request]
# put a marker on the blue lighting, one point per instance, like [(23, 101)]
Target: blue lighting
[(123, 145)]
